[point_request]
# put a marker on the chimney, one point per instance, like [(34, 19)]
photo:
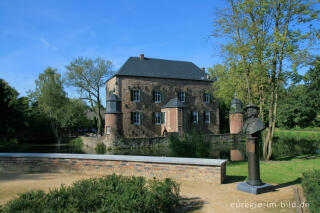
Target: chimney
[(203, 69), (141, 57)]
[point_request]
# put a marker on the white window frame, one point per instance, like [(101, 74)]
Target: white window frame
[(136, 95), (157, 96), (108, 130), (207, 97), (157, 118), (207, 115), (195, 117), (182, 96), (136, 118)]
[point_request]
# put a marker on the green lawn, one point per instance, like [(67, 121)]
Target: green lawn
[(275, 172)]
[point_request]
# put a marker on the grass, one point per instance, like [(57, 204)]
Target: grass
[(276, 172)]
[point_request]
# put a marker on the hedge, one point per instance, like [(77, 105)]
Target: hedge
[(110, 193), (311, 188)]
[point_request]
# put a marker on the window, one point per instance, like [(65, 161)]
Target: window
[(136, 118), (181, 96), (207, 97), (108, 130), (157, 97), (135, 95), (207, 117), (194, 117), (163, 118), (159, 117)]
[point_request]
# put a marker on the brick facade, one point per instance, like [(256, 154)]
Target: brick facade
[(169, 88), (236, 122)]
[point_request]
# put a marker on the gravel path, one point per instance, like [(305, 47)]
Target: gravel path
[(197, 197)]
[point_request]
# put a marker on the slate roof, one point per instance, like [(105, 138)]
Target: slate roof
[(113, 105), (160, 68), (174, 103)]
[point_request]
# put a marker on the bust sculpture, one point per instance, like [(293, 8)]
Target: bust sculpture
[(253, 124), (252, 128)]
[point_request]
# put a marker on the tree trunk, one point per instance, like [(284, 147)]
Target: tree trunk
[(56, 132), (98, 113)]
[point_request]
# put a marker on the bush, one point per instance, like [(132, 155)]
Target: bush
[(7, 145), (291, 147), (100, 148), (111, 193), (76, 141), (190, 145), (311, 188)]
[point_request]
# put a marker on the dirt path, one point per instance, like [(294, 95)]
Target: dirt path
[(197, 197)]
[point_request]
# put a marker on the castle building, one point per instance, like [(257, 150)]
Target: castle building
[(151, 97)]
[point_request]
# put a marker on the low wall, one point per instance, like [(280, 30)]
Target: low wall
[(228, 140), (126, 143), (208, 170)]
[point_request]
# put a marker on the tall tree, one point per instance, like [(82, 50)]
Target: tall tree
[(88, 76), (263, 36), (11, 111), (295, 108), (312, 82), (51, 98)]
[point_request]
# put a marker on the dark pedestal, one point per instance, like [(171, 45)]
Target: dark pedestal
[(244, 187)]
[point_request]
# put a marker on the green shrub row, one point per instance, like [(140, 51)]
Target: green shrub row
[(111, 193), (311, 188), (190, 145)]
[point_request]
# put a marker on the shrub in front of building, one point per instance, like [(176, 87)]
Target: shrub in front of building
[(311, 188), (111, 193), (100, 148), (190, 145)]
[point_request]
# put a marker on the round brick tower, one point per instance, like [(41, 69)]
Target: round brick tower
[(113, 117), (236, 123), (235, 116)]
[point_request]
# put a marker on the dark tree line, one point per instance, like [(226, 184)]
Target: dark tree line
[(47, 112), (299, 103)]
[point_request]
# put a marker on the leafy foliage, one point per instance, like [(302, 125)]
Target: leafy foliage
[(65, 115), (295, 108), (190, 145), (107, 194), (100, 148), (311, 188), (266, 42), (76, 141), (51, 98), (11, 111), (88, 76), (312, 82)]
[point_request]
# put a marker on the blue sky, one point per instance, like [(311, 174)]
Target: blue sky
[(38, 34), (35, 34)]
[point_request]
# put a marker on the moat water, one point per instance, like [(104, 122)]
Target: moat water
[(219, 152), (281, 148)]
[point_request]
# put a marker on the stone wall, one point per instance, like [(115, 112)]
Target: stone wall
[(208, 170), (125, 143), (229, 141)]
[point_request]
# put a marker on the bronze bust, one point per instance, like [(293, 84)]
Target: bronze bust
[(253, 124)]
